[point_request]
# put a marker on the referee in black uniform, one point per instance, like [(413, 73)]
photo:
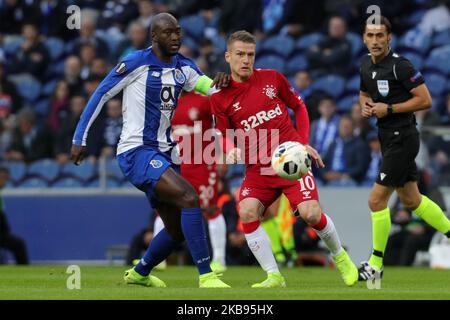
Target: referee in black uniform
[(391, 90)]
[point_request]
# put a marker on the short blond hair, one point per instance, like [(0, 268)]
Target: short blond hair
[(241, 35)]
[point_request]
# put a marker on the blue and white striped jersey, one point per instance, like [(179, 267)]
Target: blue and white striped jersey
[(151, 89)]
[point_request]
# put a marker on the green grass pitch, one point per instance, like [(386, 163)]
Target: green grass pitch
[(102, 282)]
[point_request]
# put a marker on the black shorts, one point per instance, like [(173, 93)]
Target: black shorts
[(399, 148)]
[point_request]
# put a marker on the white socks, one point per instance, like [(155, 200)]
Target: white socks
[(259, 243), (218, 237), (329, 235)]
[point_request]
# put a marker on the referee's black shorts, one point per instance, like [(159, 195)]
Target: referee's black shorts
[(399, 148)]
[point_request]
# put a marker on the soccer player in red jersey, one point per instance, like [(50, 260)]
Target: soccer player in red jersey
[(257, 99), (191, 121)]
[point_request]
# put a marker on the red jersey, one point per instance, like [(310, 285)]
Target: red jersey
[(191, 120), (261, 103)]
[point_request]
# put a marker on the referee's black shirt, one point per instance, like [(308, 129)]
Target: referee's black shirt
[(390, 81)]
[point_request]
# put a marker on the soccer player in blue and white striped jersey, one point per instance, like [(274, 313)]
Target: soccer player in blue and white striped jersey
[(152, 81)]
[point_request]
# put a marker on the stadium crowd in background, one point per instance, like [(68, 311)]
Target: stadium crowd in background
[(47, 72)]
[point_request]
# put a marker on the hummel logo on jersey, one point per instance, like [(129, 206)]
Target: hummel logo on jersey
[(156, 74), (374, 73), (269, 90), (382, 176), (236, 106), (245, 192)]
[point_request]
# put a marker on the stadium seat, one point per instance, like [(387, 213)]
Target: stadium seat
[(270, 62), (334, 85), (220, 43), (67, 183), (113, 170), (296, 63), (110, 183), (49, 87), (441, 39), (281, 45), (353, 83), (193, 26), (55, 47), (42, 107), (11, 44), (416, 39), (344, 104), (415, 58), (84, 172), (47, 169), (439, 59), (33, 183), (17, 170), (308, 41), (436, 83), (356, 43), (29, 88)]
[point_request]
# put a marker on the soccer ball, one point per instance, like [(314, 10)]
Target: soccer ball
[(291, 161)]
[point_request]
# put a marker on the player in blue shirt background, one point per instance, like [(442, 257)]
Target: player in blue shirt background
[(152, 81)]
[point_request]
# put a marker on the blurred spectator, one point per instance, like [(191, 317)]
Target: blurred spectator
[(146, 12), (361, 126), (439, 148), (90, 84), (11, 16), (63, 138), (112, 128), (409, 233), (240, 15), (53, 18), (59, 105), (137, 40), (72, 74), (32, 56), (445, 118), (347, 158), (87, 55), (426, 119), (9, 98), (30, 142), (8, 240), (117, 13), (298, 16), (302, 84), (214, 61), (188, 52), (375, 159), (87, 36), (333, 53), (325, 129), (99, 68), (5, 135)]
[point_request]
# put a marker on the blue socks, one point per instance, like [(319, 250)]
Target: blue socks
[(160, 248), (194, 232)]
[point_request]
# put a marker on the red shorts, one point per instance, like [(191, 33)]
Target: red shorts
[(267, 189), (204, 178)]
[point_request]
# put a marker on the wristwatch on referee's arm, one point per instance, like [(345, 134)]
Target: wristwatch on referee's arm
[(390, 110)]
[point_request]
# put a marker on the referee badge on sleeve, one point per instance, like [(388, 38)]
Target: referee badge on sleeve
[(383, 87)]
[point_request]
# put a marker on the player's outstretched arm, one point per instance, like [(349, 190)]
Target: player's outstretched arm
[(117, 79)]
